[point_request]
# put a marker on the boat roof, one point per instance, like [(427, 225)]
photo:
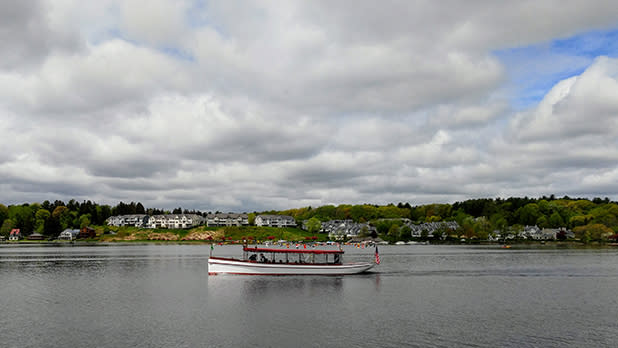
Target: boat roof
[(291, 251)]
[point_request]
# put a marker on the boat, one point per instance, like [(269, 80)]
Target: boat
[(272, 261)]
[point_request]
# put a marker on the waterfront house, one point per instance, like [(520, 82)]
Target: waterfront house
[(552, 233), (275, 221), (68, 234), (227, 219), (117, 220), (15, 234), (183, 220), (156, 221), (531, 232), (86, 232), (36, 236), (346, 228), (174, 221), (446, 227), (135, 220)]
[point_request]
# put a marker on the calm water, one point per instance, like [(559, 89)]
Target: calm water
[(420, 296)]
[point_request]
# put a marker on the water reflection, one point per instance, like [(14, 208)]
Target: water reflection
[(258, 288), (154, 296)]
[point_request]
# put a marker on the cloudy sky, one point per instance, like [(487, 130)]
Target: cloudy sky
[(243, 105)]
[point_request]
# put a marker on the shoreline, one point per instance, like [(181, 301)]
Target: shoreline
[(517, 245)]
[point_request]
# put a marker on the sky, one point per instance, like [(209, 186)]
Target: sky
[(258, 105)]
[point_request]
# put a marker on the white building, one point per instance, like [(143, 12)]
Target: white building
[(431, 227), (68, 234), (15, 234), (136, 220), (183, 220), (157, 221), (227, 219), (275, 221), (346, 228)]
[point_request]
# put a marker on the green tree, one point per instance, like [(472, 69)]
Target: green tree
[(4, 213), (102, 213), (529, 214), (466, 229), (434, 218), (499, 223), (405, 232), (84, 221), (542, 222), (544, 207), (364, 232), (41, 217), (326, 212), (393, 232), (555, 220), (392, 212), (592, 232), (580, 220), (365, 212), (342, 212), (581, 206), (23, 217), (314, 225), (7, 226), (383, 226), (62, 216), (139, 208), (482, 227)]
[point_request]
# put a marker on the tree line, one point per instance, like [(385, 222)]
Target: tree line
[(597, 217), (51, 218)]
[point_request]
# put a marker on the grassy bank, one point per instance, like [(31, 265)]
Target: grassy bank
[(202, 234)]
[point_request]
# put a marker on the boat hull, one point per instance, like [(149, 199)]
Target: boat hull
[(232, 266)]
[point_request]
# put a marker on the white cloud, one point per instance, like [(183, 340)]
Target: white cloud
[(274, 105), (584, 105), (158, 22)]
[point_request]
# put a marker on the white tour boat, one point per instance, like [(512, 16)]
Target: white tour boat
[(271, 261)]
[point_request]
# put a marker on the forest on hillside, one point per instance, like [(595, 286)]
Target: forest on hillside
[(594, 219), (597, 217)]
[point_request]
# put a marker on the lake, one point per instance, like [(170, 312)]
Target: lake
[(419, 296)]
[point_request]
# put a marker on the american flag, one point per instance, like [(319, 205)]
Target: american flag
[(377, 256)]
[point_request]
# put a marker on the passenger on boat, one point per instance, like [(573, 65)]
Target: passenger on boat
[(262, 258), (253, 257)]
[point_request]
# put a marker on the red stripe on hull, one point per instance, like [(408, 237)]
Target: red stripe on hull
[(238, 267), (286, 274)]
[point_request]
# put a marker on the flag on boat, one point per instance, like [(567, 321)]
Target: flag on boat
[(377, 256)]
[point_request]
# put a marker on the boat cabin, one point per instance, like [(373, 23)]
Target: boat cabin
[(292, 256)]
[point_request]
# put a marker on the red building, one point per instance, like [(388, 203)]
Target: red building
[(15, 234), (86, 232)]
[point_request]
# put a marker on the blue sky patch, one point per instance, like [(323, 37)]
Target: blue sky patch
[(534, 70)]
